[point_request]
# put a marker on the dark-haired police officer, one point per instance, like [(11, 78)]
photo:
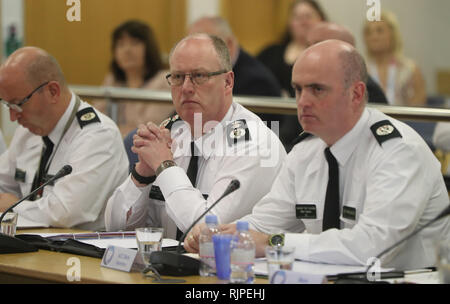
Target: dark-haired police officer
[(55, 129), (357, 182), (170, 188)]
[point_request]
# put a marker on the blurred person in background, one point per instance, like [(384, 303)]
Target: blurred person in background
[(252, 78), (136, 63), (327, 30), (398, 75), (280, 58)]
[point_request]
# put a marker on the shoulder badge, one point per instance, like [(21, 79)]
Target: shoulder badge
[(87, 116), (301, 137), (167, 123), (237, 131), (384, 130)]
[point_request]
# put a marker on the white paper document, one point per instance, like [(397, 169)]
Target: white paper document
[(125, 242), (119, 241), (313, 268), (23, 222)]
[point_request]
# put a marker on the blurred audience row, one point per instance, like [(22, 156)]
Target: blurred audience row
[(137, 63)]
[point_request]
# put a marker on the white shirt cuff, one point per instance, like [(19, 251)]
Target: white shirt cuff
[(173, 179), (132, 193), (301, 243)]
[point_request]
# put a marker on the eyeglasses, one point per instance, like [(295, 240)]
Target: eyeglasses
[(197, 78), (18, 106)]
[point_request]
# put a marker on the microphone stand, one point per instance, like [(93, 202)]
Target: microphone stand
[(176, 264), (363, 277), (10, 244)]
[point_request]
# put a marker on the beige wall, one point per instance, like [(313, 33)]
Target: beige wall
[(83, 48), (256, 23), (424, 26)]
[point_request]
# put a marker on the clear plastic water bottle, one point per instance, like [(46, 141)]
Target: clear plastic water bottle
[(242, 255), (207, 259)]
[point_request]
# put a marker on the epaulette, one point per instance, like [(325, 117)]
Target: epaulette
[(167, 123), (301, 137), (384, 130), (87, 116), (237, 131)]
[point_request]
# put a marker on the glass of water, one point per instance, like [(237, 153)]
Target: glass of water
[(9, 224), (279, 258), (149, 239)]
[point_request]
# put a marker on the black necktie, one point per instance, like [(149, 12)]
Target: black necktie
[(40, 174), (331, 207), (192, 174)]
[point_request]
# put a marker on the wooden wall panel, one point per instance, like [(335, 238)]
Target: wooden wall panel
[(443, 82), (256, 23), (83, 48)]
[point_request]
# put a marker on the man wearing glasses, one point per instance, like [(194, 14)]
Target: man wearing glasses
[(357, 181), (183, 171), (55, 129)]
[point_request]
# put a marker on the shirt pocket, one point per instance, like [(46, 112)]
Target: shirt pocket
[(350, 214), (311, 214), (24, 176)]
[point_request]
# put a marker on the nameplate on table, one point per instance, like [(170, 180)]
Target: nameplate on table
[(122, 259), (293, 277)]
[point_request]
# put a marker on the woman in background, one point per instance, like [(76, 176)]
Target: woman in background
[(280, 58), (137, 63), (398, 75)]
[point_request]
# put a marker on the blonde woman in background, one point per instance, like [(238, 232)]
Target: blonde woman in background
[(398, 75)]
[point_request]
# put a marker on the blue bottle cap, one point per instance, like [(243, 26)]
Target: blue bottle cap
[(211, 219), (242, 225)]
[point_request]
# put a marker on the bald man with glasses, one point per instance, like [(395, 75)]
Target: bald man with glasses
[(186, 164), (55, 129)]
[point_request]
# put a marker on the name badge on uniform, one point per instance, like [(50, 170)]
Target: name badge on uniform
[(155, 193), (349, 213), (20, 175), (306, 211)]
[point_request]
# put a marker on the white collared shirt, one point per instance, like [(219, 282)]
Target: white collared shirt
[(99, 164), (392, 188), (254, 162)]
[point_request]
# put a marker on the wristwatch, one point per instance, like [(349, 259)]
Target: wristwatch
[(276, 239), (146, 180), (164, 165)]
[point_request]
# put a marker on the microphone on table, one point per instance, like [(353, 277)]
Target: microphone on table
[(177, 264), (10, 244), (363, 277)]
